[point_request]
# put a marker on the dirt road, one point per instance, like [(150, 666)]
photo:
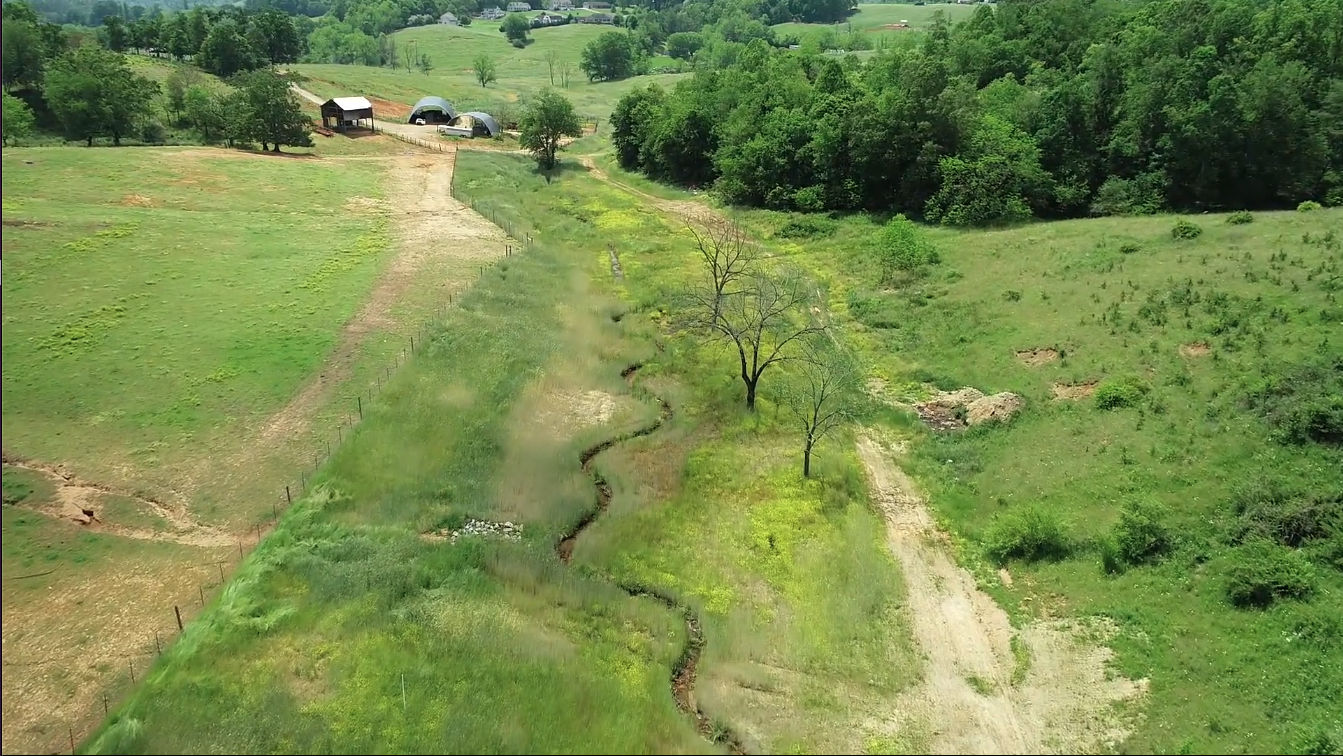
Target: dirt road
[(976, 697)]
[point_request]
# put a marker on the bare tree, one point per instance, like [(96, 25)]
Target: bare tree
[(566, 73), (762, 318), (821, 395), (728, 257), (552, 60)]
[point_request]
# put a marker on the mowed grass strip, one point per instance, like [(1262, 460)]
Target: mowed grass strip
[(346, 631), (801, 602), (162, 303)]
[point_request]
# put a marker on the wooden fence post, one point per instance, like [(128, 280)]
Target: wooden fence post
[(178, 613)]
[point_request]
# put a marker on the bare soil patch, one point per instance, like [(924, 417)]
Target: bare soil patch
[(1196, 349), (1074, 391), (1034, 357), (363, 204), (564, 412), (137, 200), (1064, 704), (82, 502)]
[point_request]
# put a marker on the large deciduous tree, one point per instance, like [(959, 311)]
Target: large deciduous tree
[(274, 116), (227, 50), (94, 93), (545, 122), (484, 69), (515, 28), (609, 57)]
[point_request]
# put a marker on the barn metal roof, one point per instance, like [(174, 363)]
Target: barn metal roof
[(491, 125), (352, 103), (433, 103)]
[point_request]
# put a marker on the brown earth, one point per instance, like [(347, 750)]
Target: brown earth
[(1074, 391), (952, 410), (1197, 349), (973, 698), (1035, 357), (137, 200)]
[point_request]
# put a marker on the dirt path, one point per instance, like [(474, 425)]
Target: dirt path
[(975, 696), (81, 501)]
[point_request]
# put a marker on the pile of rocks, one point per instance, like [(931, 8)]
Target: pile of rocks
[(507, 530), (951, 410)]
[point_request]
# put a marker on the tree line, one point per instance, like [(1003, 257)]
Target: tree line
[(1046, 108)]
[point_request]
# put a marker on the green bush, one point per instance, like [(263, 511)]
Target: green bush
[(1302, 403), (1127, 391), (1138, 196), (1141, 534), (1240, 218), (1030, 533), (1268, 510), (1183, 229), (1261, 572), (152, 132), (1308, 206), (901, 248), (1129, 248), (806, 227)]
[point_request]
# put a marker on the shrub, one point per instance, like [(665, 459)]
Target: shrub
[(806, 227), (1129, 248), (1030, 533), (1141, 533), (1240, 218), (1138, 196), (901, 247), (1308, 206), (1183, 229), (1127, 391), (1268, 510), (1302, 403), (1261, 572), (152, 132)]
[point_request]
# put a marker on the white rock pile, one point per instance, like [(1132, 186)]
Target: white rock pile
[(507, 530)]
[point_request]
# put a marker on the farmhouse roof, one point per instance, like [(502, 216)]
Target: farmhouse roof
[(490, 124), (433, 103), (351, 103)]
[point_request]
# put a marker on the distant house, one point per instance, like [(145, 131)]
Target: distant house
[(559, 5), (449, 19), (547, 19), (519, 7), (596, 5), (492, 13), (597, 18)]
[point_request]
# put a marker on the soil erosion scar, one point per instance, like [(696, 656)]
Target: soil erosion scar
[(683, 673)]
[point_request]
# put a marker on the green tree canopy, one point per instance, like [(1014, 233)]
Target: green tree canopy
[(515, 27), (226, 50), (483, 66), (609, 57), (273, 114), (684, 45), (546, 120), (94, 93), (18, 119)]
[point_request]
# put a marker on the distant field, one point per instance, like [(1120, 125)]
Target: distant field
[(872, 18), (453, 50)]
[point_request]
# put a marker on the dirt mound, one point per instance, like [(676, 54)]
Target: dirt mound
[(952, 410), (136, 200), (1197, 349), (1074, 391), (997, 407), (1035, 357), (975, 696)]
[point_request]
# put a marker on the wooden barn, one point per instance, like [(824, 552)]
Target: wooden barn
[(342, 113)]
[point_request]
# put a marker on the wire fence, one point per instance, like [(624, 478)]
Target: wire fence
[(118, 672)]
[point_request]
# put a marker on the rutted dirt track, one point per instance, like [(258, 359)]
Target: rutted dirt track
[(973, 696)]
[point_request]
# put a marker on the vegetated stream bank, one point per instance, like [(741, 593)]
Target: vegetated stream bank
[(684, 671)]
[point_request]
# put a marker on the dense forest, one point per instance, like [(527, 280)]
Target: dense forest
[(1047, 108)]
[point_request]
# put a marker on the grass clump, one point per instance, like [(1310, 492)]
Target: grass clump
[(1129, 248), (807, 227), (1031, 534), (1127, 391), (1185, 230), (1240, 218), (1303, 403), (1260, 572)]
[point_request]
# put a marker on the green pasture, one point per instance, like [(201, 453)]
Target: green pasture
[(870, 18)]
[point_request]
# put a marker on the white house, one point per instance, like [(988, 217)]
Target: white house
[(596, 5), (449, 19), (559, 5), (519, 7), (492, 13)]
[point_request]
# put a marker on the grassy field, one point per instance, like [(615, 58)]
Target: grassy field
[(163, 308), (498, 646), (874, 19), (521, 72)]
